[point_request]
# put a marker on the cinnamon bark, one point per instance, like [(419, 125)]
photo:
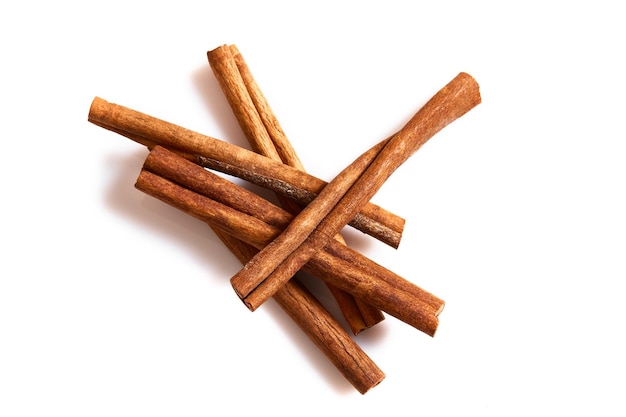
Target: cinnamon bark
[(343, 197), (234, 160)]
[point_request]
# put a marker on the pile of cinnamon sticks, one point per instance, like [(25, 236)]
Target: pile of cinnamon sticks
[(274, 243)]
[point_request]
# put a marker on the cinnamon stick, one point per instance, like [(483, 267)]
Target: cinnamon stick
[(234, 160), (346, 194), (265, 135), (246, 216)]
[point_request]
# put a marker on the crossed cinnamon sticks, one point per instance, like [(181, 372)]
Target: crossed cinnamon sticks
[(273, 243), (344, 196)]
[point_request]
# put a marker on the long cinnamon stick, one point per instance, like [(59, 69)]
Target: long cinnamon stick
[(234, 160), (245, 215), (346, 195), (265, 135)]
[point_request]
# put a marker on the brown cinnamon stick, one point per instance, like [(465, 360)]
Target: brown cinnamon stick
[(234, 160), (265, 135), (282, 145), (246, 216), (346, 194)]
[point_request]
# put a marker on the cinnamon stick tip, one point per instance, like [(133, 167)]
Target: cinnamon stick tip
[(440, 309), (379, 378), (95, 104), (219, 50), (472, 84), (250, 305), (234, 50)]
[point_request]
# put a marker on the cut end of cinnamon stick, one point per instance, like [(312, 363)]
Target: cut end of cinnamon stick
[(374, 383), (440, 309), (93, 106), (242, 297)]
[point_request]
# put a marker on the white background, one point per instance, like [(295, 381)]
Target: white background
[(112, 303)]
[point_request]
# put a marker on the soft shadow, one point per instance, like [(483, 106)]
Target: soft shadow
[(217, 106), (358, 240), (365, 339), (374, 335), (161, 219), (218, 109), (311, 354)]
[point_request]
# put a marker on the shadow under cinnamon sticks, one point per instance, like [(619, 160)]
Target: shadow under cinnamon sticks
[(250, 218)]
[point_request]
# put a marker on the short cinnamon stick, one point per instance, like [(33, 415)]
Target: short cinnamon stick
[(234, 160), (346, 195), (265, 135)]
